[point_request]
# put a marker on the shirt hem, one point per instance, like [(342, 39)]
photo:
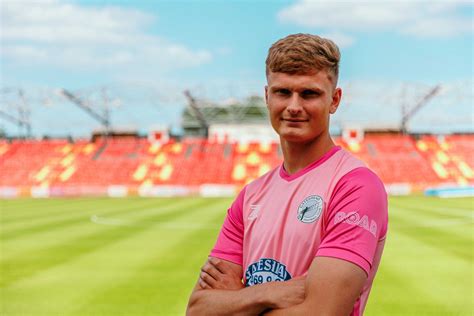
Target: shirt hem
[(346, 255)]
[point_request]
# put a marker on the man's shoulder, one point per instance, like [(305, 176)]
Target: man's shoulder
[(264, 179), (360, 180), (350, 159), (354, 174)]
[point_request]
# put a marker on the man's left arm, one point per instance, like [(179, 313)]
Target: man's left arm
[(332, 287), (354, 229)]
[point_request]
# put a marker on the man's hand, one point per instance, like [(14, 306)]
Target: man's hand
[(220, 291), (288, 293), (215, 274)]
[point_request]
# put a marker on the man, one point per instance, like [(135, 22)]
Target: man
[(317, 223)]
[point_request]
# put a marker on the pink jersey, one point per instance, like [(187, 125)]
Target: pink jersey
[(335, 207)]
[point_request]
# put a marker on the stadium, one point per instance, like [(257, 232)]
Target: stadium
[(118, 220)]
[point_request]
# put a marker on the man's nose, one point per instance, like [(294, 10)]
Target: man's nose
[(294, 106)]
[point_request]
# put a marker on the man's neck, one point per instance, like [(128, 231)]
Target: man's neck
[(297, 156)]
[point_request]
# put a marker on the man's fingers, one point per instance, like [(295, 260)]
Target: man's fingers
[(207, 279), (212, 270), (218, 264), (203, 284)]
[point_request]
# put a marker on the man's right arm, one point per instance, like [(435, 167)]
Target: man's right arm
[(220, 293)]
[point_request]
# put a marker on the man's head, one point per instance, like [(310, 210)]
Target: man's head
[(301, 92), (304, 54)]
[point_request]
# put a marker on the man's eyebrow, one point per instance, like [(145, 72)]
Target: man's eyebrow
[(312, 90), (315, 89), (274, 88)]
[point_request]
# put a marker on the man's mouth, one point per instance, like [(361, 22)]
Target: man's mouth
[(293, 120)]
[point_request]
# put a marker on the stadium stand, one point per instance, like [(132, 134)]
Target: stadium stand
[(135, 162), (450, 157), (394, 158)]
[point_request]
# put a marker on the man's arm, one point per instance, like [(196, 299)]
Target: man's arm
[(220, 291), (332, 287)]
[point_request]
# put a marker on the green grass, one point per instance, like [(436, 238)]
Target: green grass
[(141, 256)]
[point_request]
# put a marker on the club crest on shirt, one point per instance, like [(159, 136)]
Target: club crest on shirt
[(310, 209), (266, 270)]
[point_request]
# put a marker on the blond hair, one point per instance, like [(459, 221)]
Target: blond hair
[(304, 54)]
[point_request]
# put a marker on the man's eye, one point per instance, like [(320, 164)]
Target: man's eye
[(309, 93), (283, 91)]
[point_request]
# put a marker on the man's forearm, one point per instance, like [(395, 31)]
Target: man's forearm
[(248, 301)]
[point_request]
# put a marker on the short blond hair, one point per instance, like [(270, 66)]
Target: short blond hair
[(303, 54)]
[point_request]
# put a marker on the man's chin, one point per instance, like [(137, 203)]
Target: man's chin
[(294, 138)]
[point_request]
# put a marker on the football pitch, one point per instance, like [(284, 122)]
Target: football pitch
[(141, 256)]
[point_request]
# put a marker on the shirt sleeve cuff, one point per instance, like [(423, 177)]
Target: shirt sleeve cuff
[(232, 257), (346, 255)]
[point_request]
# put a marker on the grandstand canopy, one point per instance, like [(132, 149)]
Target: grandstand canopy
[(250, 111)]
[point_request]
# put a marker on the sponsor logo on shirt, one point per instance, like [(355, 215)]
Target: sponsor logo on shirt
[(353, 218), (254, 210), (266, 270), (310, 209)]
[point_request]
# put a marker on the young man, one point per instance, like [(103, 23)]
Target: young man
[(317, 223)]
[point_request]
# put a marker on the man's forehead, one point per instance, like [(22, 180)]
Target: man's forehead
[(316, 80)]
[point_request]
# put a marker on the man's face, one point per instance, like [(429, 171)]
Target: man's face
[(300, 105)]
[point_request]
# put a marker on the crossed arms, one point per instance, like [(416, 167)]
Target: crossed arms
[(331, 288)]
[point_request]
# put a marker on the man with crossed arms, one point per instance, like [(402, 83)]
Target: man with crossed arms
[(317, 223)]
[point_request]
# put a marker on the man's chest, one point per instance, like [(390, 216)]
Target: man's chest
[(284, 225)]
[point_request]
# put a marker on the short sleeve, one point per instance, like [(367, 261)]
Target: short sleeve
[(229, 244), (356, 219)]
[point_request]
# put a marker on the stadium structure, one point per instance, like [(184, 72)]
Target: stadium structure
[(223, 148)]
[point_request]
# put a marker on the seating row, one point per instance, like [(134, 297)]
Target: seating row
[(423, 161)]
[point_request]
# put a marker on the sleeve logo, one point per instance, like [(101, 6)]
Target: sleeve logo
[(266, 270), (353, 218), (310, 209)]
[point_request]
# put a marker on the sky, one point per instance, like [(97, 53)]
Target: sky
[(139, 57)]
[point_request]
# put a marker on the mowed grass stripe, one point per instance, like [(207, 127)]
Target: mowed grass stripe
[(30, 263), (11, 212), (50, 212), (71, 233), (440, 211), (156, 287), (461, 203), (382, 303), (25, 203), (418, 217), (438, 237), (153, 270), (426, 218), (422, 278), (69, 219), (77, 210), (108, 268)]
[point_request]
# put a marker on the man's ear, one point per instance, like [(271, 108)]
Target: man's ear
[(266, 95), (336, 100)]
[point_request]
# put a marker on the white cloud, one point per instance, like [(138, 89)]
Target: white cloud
[(342, 40), (68, 35), (418, 18), (439, 27)]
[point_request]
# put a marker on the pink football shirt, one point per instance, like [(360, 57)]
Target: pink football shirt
[(335, 207)]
